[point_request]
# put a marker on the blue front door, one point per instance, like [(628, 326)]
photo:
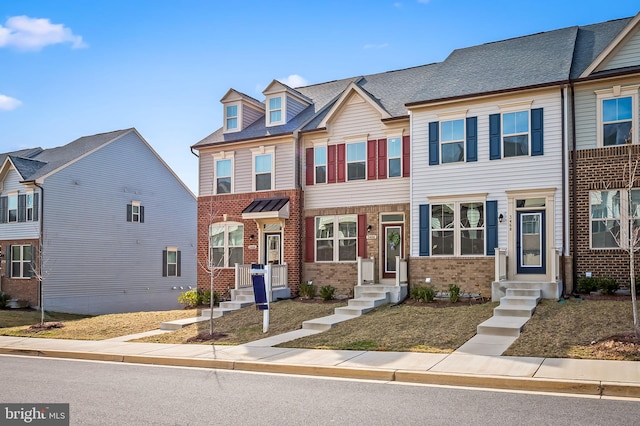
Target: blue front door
[(531, 242)]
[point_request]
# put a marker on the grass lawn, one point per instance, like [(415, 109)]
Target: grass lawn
[(563, 330)]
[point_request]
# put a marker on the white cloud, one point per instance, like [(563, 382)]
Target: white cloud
[(294, 80), (27, 33), (397, 4), (424, 1), (7, 103), (376, 46)]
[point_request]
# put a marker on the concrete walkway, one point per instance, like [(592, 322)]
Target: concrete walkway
[(589, 377)]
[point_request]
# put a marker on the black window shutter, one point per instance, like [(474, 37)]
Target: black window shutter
[(424, 229), (537, 140), (472, 138), (36, 206), (129, 212), (22, 207), (492, 227), (178, 259), (8, 262), (3, 209), (434, 143), (494, 137), (32, 264), (164, 263), (141, 214)]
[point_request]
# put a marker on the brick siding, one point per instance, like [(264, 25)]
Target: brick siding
[(18, 288), (471, 274)]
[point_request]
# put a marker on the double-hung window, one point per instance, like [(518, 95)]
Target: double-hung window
[(12, 207), (615, 218), (616, 111), (223, 173), (275, 111), (336, 238), (226, 244), (29, 206), (394, 157), (458, 228), (320, 164), (171, 262), (21, 261), (356, 161), (515, 133), (263, 168), (231, 118), (135, 212), (452, 140)]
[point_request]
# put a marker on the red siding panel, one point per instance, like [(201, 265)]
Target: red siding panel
[(331, 164), (342, 163), (371, 160), (309, 165), (406, 156), (382, 158)]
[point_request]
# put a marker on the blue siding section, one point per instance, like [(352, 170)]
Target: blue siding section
[(101, 263)]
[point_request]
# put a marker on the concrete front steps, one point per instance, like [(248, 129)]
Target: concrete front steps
[(368, 300), (497, 333), (243, 298)]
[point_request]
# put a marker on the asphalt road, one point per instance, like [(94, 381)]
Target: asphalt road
[(102, 393)]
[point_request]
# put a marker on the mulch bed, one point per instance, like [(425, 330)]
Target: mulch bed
[(44, 326), (205, 336), (318, 300), (445, 303)]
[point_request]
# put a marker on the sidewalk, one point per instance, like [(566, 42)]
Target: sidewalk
[(591, 377)]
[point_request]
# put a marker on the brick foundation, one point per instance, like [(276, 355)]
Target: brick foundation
[(18, 288), (471, 274)]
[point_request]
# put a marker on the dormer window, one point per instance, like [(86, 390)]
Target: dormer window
[(231, 118), (275, 114)]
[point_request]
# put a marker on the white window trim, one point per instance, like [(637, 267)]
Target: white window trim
[(169, 250), (225, 246), (336, 240), (457, 228), (263, 150), (283, 110), (528, 133), (348, 142), (326, 166), (135, 204), (29, 193), (612, 93), (389, 158), (9, 195), (223, 155), (238, 117), (463, 140), (21, 260), (624, 220)]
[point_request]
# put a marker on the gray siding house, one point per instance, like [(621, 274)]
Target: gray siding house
[(100, 225)]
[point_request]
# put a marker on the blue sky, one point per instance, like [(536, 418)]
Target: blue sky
[(72, 68)]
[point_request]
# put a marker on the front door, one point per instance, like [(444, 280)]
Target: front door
[(272, 247), (531, 242), (392, 248)]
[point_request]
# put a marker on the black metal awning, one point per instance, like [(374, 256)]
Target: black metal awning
[(267, 208)]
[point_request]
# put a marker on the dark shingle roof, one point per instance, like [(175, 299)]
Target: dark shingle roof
[(35, 163)]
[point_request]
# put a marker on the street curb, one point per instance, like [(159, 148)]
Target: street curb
[(180, 362), (586, 387), (620, 389), (315, 370)]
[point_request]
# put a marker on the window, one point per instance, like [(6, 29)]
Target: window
[(12, 204), (616, 113), (457, 229), (21, 261), (515, 133), (356, 161), (231, 117), (226, 244), (275, 111), (135, 212), (452, 141), (29, 206), (613, 217), (171, 262), (320, 164), (336, 238), (263, 172), (394, 157), (223, 176)]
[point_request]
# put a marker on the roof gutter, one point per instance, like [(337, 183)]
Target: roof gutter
[(279, 135)]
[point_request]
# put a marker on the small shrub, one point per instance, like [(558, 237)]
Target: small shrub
[(587, 284), (206, 297), (423, 294), (307, 290), (190, 299), (454, 293), (4, 297), (327, 292), (608, 285)]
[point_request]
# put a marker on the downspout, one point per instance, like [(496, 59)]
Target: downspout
[(41, 244), (574, 181), (563, 94)]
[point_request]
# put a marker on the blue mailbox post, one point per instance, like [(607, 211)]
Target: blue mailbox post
[(261, 280)]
